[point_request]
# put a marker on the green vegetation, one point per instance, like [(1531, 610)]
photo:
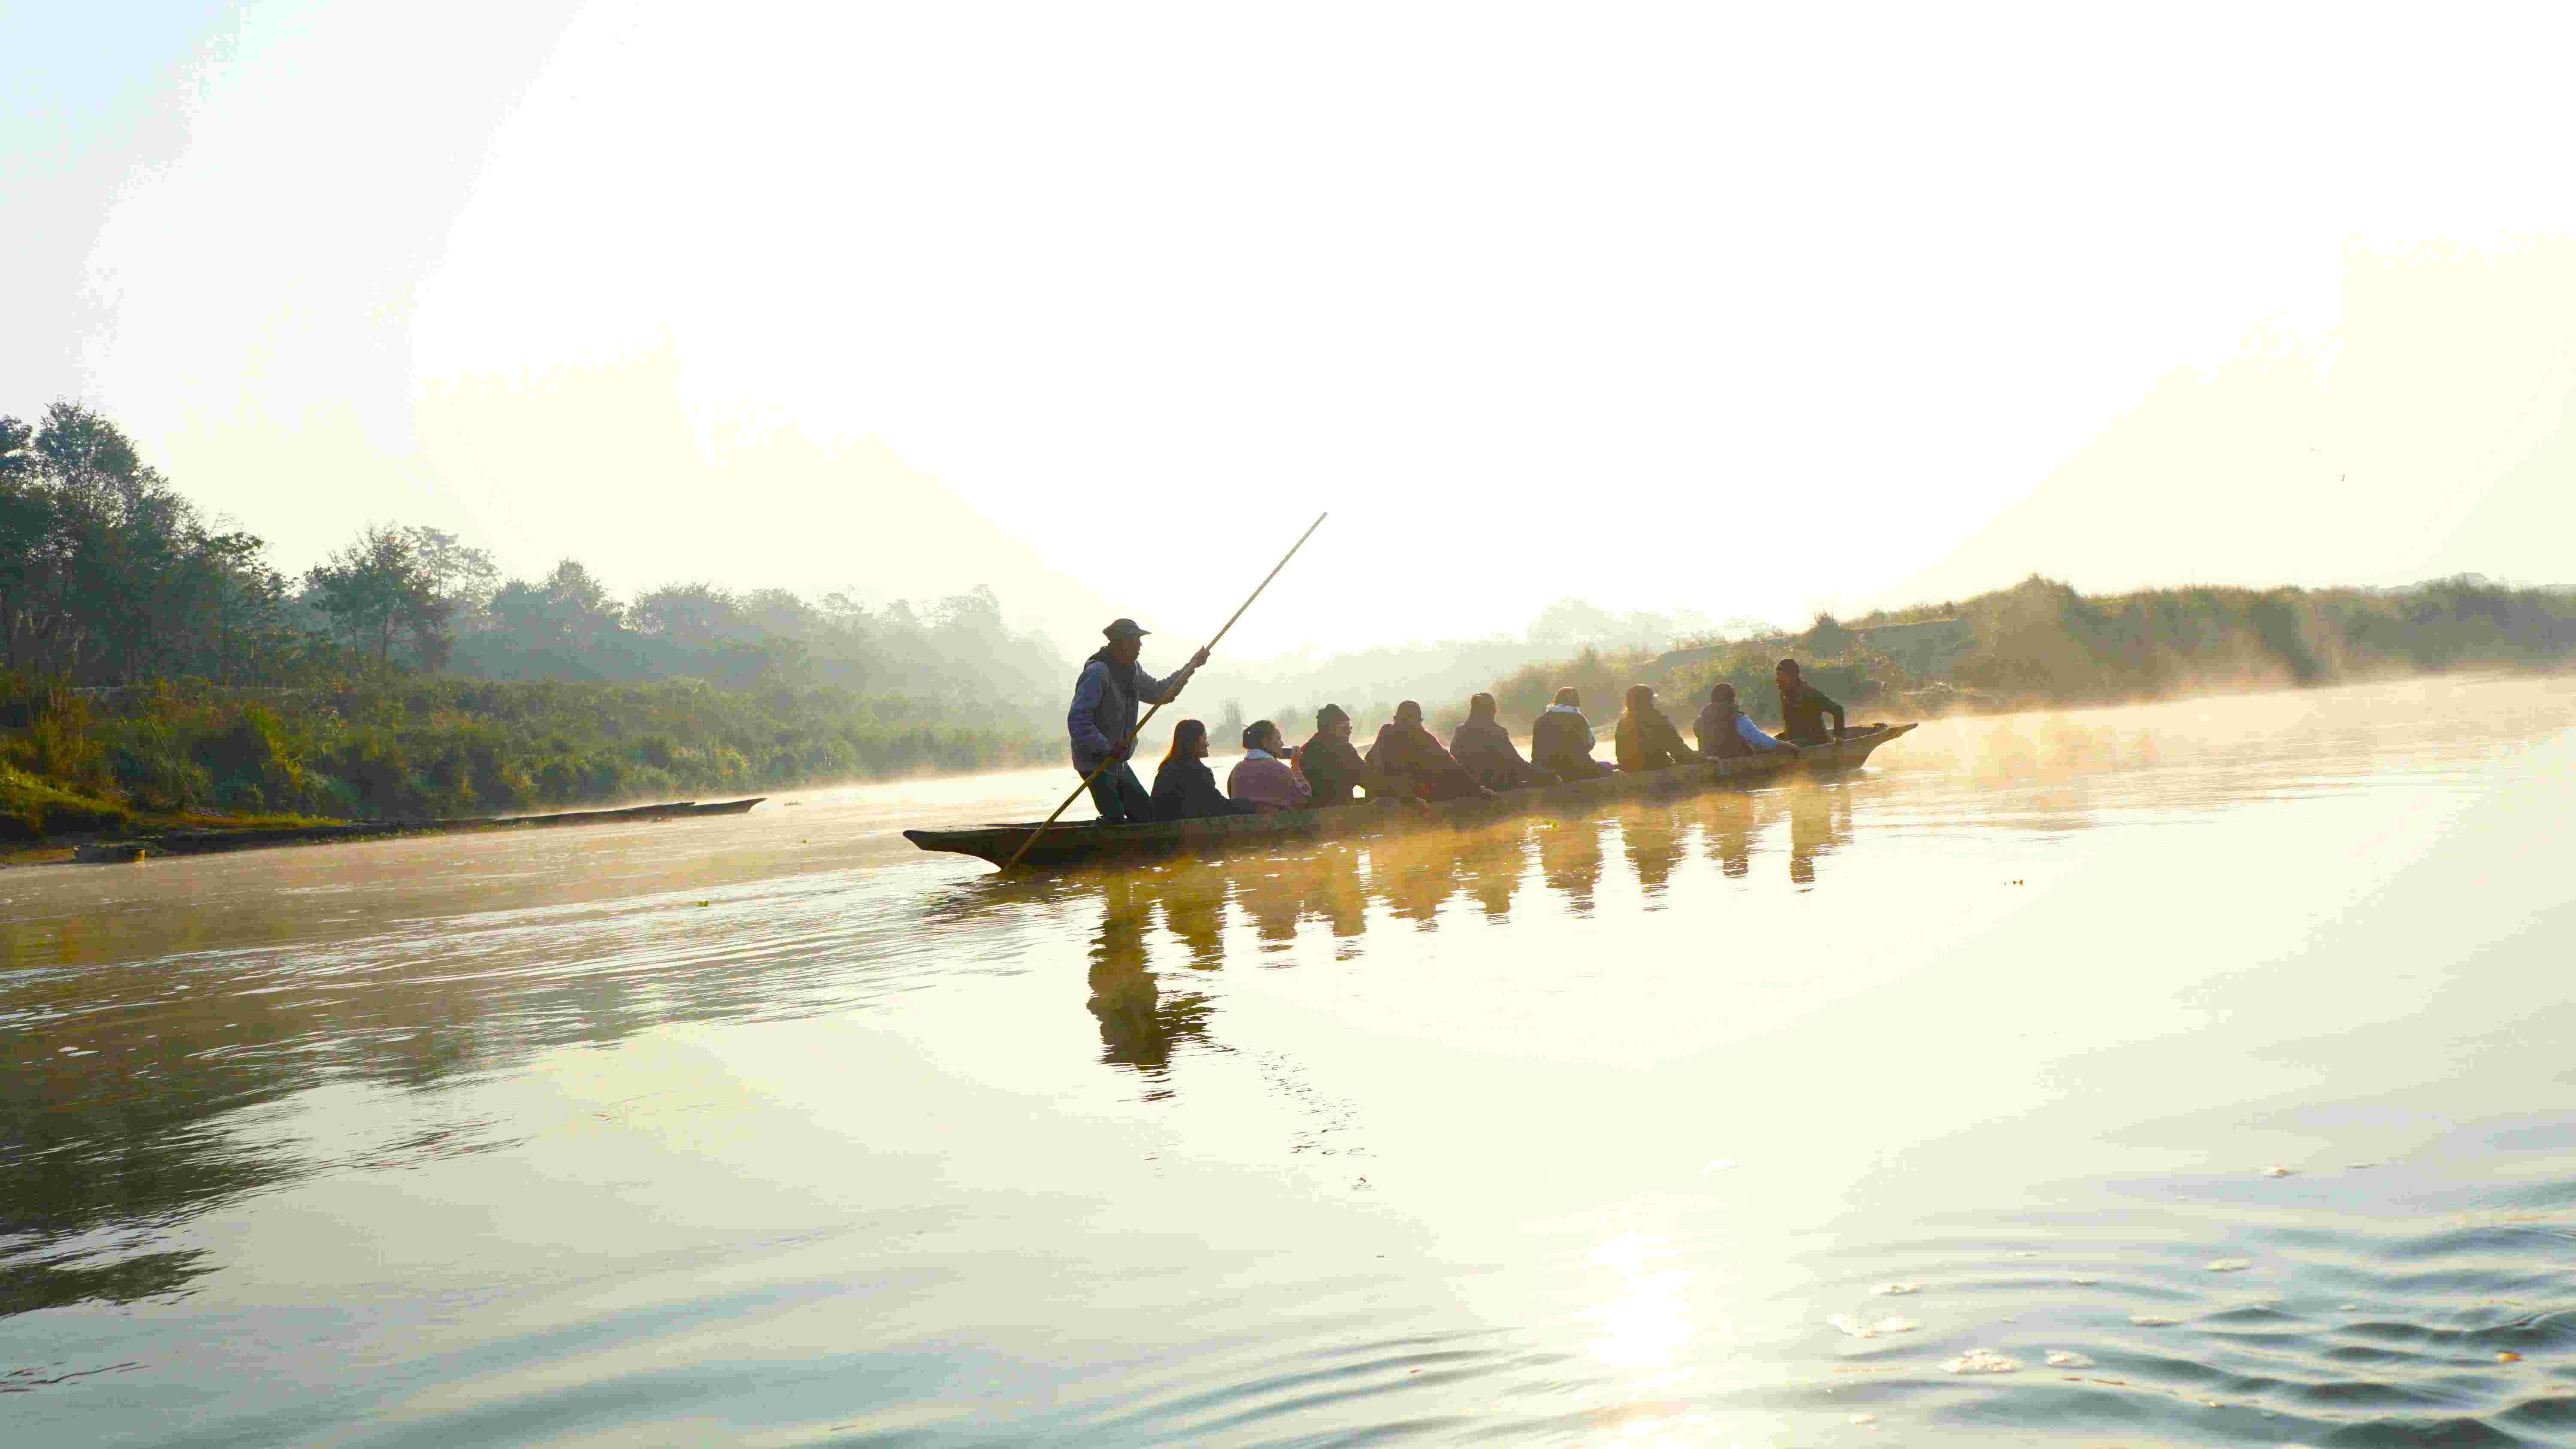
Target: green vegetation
[(424, 746), (2041, 643), (154, 668), (152, 665), (31, 809), (2047, 645)]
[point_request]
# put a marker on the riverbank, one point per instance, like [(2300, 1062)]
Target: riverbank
[(2042, 645), (200, 835), (80, 763)]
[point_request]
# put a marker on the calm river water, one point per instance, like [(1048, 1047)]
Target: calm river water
[(2201, 1069)]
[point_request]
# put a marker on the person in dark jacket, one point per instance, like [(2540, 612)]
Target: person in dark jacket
[(1802, 709), (1105, 697), (1725, 734), (1645, 739), (1332, 765), (1561, 740), (1185, 788), (1486, 749), (1413, 755)]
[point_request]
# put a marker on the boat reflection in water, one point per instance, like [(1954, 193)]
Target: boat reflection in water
[(1163, 920)]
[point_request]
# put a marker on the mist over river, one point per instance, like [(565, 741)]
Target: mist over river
[(2194, 1073)]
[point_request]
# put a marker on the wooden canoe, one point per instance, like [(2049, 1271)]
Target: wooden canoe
[(1069, 844), (216, 842), (721, 807)]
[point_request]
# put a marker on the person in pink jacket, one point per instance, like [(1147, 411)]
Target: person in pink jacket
[(1264, 775)]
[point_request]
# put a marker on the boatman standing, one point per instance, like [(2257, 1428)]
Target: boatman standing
[(1104, 715)]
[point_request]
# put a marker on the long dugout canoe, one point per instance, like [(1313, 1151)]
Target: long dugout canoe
[(216, 842), (1069, 844)]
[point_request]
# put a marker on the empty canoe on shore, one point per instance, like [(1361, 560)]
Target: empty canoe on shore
[(216, 842), (1069, 844)]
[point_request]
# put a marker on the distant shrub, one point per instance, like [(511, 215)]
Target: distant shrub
[(33, 809)]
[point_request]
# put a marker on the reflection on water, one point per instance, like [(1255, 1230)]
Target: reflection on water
[(1139, 1023), (496, 1140)]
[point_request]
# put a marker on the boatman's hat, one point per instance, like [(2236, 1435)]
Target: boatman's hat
[(1125, 629)]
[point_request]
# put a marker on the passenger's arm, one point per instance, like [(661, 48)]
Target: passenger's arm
[(1836, 711)]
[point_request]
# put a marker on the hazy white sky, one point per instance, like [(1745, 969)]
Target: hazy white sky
[(1750, 309)]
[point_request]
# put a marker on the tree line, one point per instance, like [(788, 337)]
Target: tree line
[(110, 576)]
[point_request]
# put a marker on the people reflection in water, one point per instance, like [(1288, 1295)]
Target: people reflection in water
[(1413, 877), (1193, 897), (1652, 836), (1138, 1025), (1493, 860), (1819, 822), (1569, 855), (1727, 823), (1272, 893)]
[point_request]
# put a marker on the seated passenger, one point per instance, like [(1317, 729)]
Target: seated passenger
[(1802, 709), (1725, 733), (1411, 754), (1263, 778), (1185, 787), (1561, 740), (1645, 740), (1486, 749), (1333, 767)]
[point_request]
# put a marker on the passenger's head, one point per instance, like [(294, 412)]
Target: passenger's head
[(1786, 671), (1722, 694), (1189, 741), (1408, 714), (1332, 719), (1640, 696), (1480, 706), (1567, 696), (1261, 734)]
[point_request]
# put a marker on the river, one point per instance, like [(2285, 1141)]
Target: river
[(2194, 1073)]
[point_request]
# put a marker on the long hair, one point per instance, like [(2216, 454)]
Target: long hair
[(1185, 735)]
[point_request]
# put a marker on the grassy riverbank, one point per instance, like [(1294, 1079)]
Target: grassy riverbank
[(2040, 644), (186, 754), (86, 762)]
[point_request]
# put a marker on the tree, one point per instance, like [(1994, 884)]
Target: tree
[(107, 574), (378, 590), (464, 577), (694, 616), (1827, 638)]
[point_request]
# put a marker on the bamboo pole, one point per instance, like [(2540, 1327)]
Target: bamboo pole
[(1119, 755)]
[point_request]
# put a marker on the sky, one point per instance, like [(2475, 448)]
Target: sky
[(1749, 310)]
